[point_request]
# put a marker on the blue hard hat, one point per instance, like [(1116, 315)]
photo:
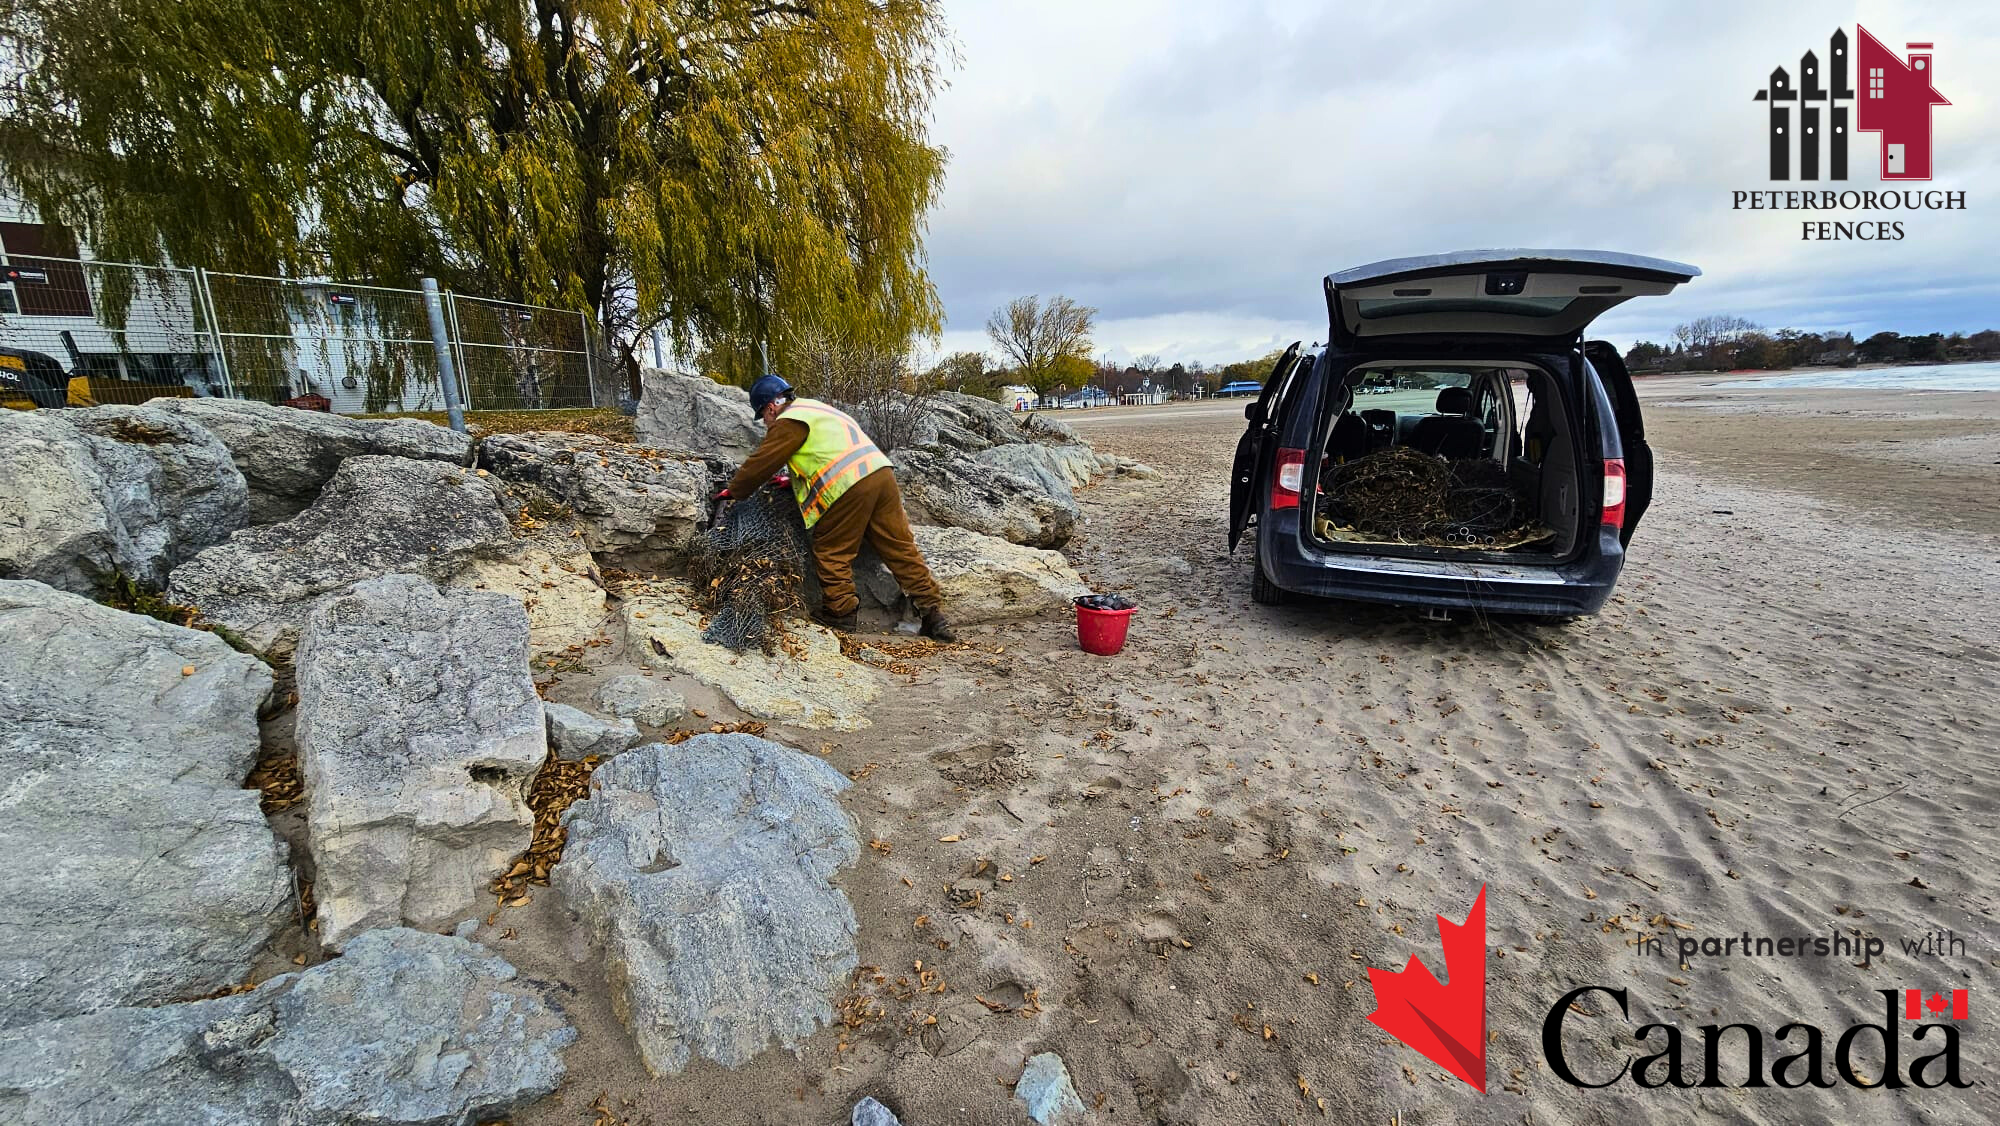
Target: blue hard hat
[(767, 390)]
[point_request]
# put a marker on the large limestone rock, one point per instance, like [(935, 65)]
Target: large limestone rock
[(379, 515), (805, 684), (553, 580), (703, 870), (418, 731), (1057, 470), (637, 507), (86, 494), (288, 455), (404, 1028), (695, 414), (983, 578), (991, 421), (953, 489), (139, 870)]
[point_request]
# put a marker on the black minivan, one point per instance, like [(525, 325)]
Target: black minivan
[(1457, 444)]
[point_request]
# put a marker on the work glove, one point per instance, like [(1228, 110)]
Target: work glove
[(723, 495)]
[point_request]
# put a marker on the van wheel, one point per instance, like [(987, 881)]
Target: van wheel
[(1263, 591)]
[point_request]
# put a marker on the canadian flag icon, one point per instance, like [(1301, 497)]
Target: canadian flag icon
[(1936, 1007)]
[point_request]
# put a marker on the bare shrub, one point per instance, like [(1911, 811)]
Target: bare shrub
[(875, 384)]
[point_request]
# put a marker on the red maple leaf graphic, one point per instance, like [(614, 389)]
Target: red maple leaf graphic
[(1447, 1023), (1938, 1003)]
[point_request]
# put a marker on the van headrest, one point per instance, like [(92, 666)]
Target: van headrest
[(1455, 400)]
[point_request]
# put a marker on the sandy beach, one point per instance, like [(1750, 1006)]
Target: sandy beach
[(1174, 866)]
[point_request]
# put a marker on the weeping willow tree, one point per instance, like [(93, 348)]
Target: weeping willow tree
[(717, 169)]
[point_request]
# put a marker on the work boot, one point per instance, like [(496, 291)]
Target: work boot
[(845, 623), (936, 627)]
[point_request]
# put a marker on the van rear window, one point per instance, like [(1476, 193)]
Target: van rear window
[(1378, 308)]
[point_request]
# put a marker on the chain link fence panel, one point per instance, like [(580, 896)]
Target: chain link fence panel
[(133, 333)]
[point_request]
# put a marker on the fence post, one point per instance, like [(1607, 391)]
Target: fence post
[(206, 299), (590, 340), (441, 340)]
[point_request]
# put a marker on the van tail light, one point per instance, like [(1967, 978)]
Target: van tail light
[(1291, 474), (1614, 492)]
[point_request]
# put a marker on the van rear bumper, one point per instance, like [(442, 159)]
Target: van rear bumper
[(1577, 587)]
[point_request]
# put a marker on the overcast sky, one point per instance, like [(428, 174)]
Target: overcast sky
[(1192, 169)]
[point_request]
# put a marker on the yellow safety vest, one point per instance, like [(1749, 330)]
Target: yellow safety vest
[(836, 455)]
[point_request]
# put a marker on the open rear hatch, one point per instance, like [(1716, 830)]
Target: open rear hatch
[(1479, 438), (1542, 295)]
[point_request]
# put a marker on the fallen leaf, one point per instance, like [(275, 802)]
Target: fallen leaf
[(953, 839)]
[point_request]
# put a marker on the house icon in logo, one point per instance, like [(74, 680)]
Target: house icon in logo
[(1891, 97), (1895, 100)]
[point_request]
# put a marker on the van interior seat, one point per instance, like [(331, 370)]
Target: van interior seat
[(1450, 433), (1349, 440)]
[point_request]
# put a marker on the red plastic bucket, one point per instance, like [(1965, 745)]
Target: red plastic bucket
[(1102, 631)]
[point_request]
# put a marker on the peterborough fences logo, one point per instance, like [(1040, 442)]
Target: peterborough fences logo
[(1887, 95)]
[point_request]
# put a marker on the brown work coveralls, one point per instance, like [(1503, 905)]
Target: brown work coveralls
[(871, 510)]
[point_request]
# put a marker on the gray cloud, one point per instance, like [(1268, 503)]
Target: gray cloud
[(1192, 170)]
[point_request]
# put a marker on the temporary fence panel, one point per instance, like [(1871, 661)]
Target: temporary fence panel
[(366, 349), (520, 357), (104, 332), (137, 332)]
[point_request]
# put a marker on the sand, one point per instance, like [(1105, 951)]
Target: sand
[(1783, 723)]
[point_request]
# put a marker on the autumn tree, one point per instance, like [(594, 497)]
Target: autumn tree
[(1047, 344), (723, 170)]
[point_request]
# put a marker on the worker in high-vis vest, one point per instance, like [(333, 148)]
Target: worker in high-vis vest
[(847, 492)]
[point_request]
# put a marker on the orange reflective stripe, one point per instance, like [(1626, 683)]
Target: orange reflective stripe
[(833, 472)]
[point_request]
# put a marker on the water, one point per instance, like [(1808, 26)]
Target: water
[(1929, 377)]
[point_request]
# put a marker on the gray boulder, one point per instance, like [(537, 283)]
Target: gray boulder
[(953, 489), (641, 698), (1052, 468), (1046, 1091), (418, 731), (142, 872), (576, 734), (87, 494), (406, 1028), (287, 455), (379, 515), (983, 578), (1041, 426), (703, 870), (695, 414), (992, 422), (636, 507)]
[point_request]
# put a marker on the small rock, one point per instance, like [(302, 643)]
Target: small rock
[(1045, 1089), (575, 734), (868, 1112), (641, 698)]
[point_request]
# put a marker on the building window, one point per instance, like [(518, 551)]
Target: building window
[(1875, 81), (8, 306)]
